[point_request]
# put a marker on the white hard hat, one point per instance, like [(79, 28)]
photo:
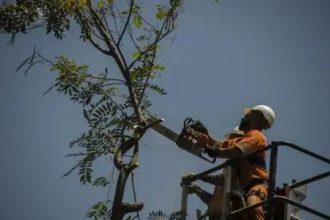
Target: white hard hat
[(267, 112)]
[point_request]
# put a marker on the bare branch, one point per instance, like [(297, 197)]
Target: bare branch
[(99, 47), (104, 78), (71, 170), (130, 34), (115, 21), (114, 84), (148, 23), (134, 161), (125, 146), (96, 35), (89, 37), (127, 22)]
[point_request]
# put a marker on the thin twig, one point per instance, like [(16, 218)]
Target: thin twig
[(127, 22), (115, 22)]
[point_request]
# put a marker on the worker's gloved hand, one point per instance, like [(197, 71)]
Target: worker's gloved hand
[(202, 139), (198, 126), (212, 152)]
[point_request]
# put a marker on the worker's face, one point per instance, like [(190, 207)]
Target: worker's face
[(252, 119), (245, 122)]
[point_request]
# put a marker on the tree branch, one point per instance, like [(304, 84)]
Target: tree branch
[(106, 52), (124, 147), (127, 22), (119, 59), (134, 161), (134, 207), (115, 22), (89, 37)]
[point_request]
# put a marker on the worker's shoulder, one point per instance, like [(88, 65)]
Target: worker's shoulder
[(256, 134)]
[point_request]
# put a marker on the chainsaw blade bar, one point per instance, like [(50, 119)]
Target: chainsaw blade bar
[(173, 136), (168, 133)]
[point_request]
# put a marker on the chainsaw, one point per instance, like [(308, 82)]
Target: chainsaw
[(185, 140)]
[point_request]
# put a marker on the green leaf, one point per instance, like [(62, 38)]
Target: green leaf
[(137, 21), (85, 170), (100, 181), (156, 88), (100, 4), (161, 12), (136, 55), (86, 115), (98, 211), (159, 213), (159, 67)]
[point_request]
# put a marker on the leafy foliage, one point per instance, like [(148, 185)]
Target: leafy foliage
[(100, 181), (160, 215), (112, 107), (98, 211)]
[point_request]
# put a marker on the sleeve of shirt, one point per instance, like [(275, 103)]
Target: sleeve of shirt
[(249, 143), (228, 143)]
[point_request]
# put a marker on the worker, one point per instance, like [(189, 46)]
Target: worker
[(213, 201), (252, 172)]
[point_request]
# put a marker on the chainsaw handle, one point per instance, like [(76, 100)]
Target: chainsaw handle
[(207, 159), (187, 122), (214, 159)]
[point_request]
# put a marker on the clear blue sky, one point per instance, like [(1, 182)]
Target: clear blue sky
[(225, 57)]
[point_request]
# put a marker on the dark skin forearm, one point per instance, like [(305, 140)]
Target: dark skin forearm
[(211, 141), (227, 153), (207, 142)]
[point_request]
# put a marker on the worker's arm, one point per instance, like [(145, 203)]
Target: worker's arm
[(228, 153), (203, 139), (215, 148), (211, 140), (246, 145)]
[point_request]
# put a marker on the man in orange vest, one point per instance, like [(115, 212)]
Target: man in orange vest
[(252, 172), (213, 201)]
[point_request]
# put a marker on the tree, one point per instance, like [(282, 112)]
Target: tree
[(115, 108)]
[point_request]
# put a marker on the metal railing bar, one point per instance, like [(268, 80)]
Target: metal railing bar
[(225, 164), (273, 162), (201, 174), (272, 145), (309, 180), (184, 198), (308, 209), (303, 150), (272, 180)]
